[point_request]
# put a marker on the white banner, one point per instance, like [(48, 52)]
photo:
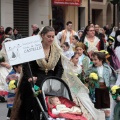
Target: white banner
[(24, 50)]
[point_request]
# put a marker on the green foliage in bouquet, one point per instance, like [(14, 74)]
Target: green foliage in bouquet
[(81, 77), (37, 90)]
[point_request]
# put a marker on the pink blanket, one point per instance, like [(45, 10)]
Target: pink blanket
[(69, 104)]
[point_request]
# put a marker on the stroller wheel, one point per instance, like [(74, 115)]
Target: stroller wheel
[(2, 99)]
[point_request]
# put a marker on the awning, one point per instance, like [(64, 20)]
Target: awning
[(66, 2)]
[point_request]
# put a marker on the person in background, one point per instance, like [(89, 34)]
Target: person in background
[(108, 31), (5, 68), (35, 29), (91, 41), (117, 53), (1, 36), (84, 60), (75, 40), (80, 33), (16, 35), (77, 69), (100, 37), (66, 50), (110, 49), (103, 31), (12, 80), (8, 33), (66, 35)]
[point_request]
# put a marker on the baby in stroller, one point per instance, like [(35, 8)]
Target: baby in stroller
[(60, 107), (58, 101), (57, 107)]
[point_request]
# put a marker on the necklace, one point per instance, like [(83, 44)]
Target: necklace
[(47, 55)]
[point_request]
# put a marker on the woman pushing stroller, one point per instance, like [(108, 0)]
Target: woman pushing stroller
[(26, 106)]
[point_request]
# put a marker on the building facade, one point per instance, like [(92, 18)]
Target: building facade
[(101, 12), (23, 13)]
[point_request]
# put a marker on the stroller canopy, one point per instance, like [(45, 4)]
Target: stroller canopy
[(53, 86)]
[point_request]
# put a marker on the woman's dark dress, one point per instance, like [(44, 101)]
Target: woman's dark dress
[(29, 109)]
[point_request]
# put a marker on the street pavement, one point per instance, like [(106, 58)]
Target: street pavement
[(3, 111)]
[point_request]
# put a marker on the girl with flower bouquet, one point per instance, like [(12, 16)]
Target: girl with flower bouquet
[(12, 80), (99, 77)]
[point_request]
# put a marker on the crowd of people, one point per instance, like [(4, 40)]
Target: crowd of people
[(87, 60)]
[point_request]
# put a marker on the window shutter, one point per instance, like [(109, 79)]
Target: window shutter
[(21, 16)]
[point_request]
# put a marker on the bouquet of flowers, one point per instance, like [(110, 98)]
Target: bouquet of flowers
[(12, 84), (92, 79), (115, 91), (37, 90), (93, 83)]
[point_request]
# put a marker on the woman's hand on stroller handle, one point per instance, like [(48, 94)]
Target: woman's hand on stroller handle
[(34, 79)]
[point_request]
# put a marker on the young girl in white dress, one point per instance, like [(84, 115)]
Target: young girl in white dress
[(67, 51), (5, 68), (77, 69), (84, 60)]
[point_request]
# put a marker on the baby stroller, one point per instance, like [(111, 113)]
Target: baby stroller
[(53, 86)]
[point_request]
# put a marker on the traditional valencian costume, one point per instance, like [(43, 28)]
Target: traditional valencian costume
[(3, 70), (26, 107)]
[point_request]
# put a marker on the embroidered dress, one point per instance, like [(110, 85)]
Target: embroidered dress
[(3, 73), (84, 61), (92, 46)]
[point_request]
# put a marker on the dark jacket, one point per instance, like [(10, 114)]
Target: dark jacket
[(36, 32), (17, 36), (100, 36)]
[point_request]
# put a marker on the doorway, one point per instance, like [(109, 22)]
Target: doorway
[(81, 18), (97, 16), (58, 18)]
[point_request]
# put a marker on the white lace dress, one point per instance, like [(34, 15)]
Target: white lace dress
[(3, 74)]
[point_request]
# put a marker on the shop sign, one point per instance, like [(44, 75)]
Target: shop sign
[(98, 0), (66, 2)]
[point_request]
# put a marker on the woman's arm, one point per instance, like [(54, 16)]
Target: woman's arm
[(59, 69), (5, 64)]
